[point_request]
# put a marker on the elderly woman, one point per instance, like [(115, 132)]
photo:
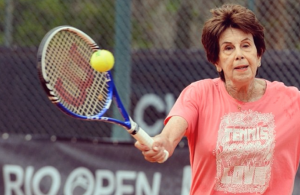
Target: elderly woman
[(243, 132)]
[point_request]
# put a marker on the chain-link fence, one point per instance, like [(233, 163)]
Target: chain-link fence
[(155, 42)]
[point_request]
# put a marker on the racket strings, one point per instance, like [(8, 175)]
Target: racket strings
[(78, 86)]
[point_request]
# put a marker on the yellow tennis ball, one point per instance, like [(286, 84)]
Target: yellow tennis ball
[(102, 60)]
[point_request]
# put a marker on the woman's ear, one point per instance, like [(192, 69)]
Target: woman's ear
[(219, 69), (259, 62)]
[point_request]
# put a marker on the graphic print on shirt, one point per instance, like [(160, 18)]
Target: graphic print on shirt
[(244, 152)]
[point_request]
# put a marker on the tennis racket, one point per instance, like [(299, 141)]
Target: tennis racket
[(78, 90)]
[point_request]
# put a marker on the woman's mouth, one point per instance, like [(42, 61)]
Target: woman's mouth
[(244, 67)]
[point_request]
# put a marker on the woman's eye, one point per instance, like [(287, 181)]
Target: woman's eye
[(246, 45), (228, 48)]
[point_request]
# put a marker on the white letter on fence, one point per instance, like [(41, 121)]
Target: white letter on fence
[(13, 187), (122, 188), (186, 180), (43, 172), (143, 187), (80, 177), (147, 101), (100, 186), (27, 182)]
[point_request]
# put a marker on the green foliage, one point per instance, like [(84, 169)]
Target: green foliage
[(173, 5), (33, 19), (139, 37)]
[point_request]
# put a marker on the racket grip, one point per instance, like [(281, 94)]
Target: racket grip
[(144, 138)]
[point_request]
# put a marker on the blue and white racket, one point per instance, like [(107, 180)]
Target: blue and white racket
[(74, 86)]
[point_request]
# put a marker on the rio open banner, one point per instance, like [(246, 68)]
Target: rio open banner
[(70, 167), (44, 167)]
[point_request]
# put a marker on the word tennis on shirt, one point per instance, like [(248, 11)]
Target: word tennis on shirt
[(244, 134)]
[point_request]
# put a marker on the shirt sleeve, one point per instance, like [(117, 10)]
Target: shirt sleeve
[(187, 107)]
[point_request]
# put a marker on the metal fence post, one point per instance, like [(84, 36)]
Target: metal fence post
[(8, 28), (122, 68)]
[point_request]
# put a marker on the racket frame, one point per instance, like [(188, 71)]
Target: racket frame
[(132, 128)]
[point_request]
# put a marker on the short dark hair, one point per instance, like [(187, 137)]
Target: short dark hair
[(234, 16)]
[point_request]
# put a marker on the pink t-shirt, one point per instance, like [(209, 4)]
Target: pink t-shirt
[(241, 148)]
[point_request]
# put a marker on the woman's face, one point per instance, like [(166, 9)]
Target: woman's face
[(238, 56)]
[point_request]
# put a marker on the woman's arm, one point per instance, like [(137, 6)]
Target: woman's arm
[(168, 139)]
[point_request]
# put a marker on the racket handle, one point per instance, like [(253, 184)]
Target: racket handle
[(143, 137)]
